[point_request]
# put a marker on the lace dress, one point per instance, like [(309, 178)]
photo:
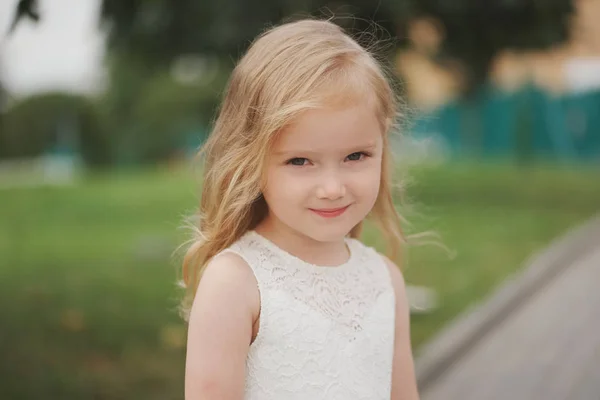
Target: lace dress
[(325, 332)]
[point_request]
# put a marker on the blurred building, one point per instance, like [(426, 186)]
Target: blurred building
[(573, 66), (542, 103), (427, 83)]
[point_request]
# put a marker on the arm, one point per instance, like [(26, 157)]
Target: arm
[(404, 384), (220, 330)]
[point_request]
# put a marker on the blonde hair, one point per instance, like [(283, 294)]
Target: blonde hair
[(288, 70)]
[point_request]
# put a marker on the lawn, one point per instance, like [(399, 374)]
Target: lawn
[(88, 281)]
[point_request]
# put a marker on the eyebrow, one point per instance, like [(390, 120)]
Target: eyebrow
[(365, 146)]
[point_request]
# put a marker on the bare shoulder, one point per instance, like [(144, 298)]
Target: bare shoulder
[(229, 267), (228, 279), (404, 383), (221, 329)]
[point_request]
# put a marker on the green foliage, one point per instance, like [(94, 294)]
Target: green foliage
[(54, 122), (159, 31), (145, 116), (153, 114)]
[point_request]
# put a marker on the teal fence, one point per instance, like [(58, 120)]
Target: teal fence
[(529, 124)]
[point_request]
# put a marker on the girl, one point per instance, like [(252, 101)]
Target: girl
[(291, 305)]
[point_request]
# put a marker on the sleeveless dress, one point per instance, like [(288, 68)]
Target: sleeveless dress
[(325, 332)]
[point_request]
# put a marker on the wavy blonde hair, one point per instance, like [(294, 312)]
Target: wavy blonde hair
[(288, 70)]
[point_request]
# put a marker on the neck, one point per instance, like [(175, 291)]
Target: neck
[(302, 246)]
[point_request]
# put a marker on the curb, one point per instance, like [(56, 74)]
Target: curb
[(455, 341)]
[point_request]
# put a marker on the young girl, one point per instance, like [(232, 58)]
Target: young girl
[(291, 305)]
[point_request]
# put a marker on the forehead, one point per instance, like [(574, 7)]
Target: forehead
[(321, 130)]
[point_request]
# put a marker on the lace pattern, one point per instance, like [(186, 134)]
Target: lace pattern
[(325, 332)]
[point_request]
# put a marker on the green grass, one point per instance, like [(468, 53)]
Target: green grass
[(493, 218), (87, 282)]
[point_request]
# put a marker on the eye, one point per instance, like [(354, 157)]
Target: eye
[(297, 161), (359, 155)]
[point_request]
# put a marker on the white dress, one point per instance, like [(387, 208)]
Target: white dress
[(325, 332)]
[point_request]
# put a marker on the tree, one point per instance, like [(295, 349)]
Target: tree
[(43, 122), (159, 31), (25, 9), (476, 29)]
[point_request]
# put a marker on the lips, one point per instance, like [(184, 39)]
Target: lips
[(329, 212)]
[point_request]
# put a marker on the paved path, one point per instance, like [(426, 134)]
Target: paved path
[(547, 349)]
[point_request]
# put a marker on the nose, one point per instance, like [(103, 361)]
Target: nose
[(331, 186)]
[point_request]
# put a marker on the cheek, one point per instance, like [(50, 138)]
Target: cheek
[(367, 182), (283, 188)]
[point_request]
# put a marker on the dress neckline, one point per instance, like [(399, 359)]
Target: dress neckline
[(297, 260)]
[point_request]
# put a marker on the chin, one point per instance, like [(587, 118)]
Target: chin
[(328, 234)]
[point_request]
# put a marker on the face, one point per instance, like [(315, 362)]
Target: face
[(323, 173)]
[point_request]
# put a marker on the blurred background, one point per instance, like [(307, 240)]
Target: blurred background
[(104, 102)]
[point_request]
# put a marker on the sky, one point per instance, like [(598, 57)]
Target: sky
[(63, 51)]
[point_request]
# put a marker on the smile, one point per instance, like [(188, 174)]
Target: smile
[(329, 212)]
